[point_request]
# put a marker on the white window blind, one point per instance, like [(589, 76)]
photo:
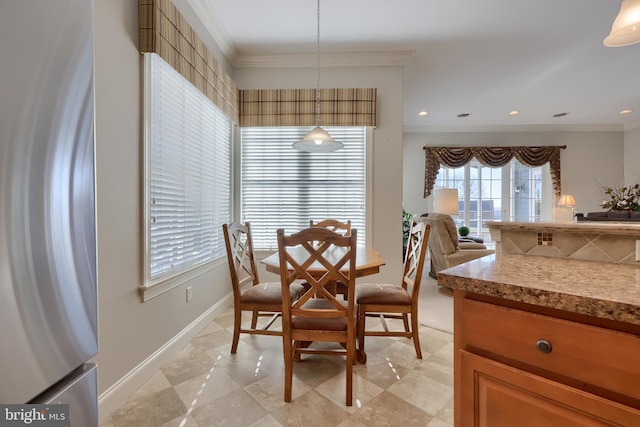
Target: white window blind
[(189, 173), (285, 188)]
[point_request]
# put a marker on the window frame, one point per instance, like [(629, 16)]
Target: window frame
[(368, 184), (155, 285), (451, 180)]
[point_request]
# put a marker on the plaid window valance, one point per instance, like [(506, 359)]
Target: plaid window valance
[(297, 107), (163, 30)]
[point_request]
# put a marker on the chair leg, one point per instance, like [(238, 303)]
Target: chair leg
[(288, 368), (360, 326), (237, 318), (351, 352), (405, 321), (416, 335), (254, 320)]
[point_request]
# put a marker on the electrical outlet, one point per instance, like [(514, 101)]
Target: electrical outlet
[(637, 250), (188, 293)]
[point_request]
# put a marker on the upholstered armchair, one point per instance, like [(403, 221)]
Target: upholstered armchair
[(444, 248)]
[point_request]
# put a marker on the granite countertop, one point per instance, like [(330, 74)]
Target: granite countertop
[(600, 227), (600, 289)]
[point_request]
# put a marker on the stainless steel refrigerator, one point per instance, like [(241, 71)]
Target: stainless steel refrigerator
[(48, 295)]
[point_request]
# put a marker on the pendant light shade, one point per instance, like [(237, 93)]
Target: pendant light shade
[(625, 30), (318, 140)]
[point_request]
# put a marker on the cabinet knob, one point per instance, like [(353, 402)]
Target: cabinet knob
[(544, 346)]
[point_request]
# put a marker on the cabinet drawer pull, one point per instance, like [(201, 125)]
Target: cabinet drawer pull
[(544, 346)]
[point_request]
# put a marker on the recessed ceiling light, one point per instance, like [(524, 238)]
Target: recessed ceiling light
[(514, 113), (464, 114), (423, 113), (627, 111), (560, 114)]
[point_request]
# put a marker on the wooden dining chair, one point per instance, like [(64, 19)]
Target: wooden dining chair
[(339, 227), (393, 301), (262, 299), (333, 225), (319, 257)]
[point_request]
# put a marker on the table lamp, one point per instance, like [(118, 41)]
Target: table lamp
[(567, 201), (445, 200)]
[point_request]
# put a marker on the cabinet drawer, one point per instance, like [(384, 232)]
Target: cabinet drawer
[(593, 355), (499, 395)]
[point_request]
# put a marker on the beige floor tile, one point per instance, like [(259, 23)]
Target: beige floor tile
[(151, 410), (188, 364), (269, 391), (423, 392), (182, 421), (106, 421), (267, 421), (385, 410), (156, 383), (381, 371), (204, 389), (235, 409), (335, 390), (310, 410), (314, 370)]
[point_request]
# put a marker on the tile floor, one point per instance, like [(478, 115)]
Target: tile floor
[(207, 386)]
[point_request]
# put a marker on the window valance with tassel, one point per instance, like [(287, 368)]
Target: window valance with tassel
[(455, 157)]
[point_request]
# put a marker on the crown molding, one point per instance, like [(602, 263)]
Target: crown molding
[(327, 59), (214, 27), (603, 127)]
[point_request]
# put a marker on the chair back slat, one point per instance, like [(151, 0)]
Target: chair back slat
[(242, 267), (415, 256), (333, 225), (320, 257)]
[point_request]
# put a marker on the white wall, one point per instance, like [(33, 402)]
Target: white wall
[(632, 156), (129, 330), (591, 159), (387, 150)]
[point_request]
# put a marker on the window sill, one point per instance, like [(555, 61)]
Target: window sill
[(153, 289)]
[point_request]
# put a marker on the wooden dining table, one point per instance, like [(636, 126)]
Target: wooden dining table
[(368, 261)]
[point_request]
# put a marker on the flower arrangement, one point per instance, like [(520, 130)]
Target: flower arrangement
[(622, 199)]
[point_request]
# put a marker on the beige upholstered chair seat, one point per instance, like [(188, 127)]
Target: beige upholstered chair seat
[(445, 249), (318, 323), (269, 293), (382, 293)]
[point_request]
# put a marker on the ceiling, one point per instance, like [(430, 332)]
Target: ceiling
[(481, 57)]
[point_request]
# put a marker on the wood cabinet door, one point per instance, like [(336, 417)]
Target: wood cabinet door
[(497, 395)]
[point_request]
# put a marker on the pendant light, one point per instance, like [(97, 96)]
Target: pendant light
[(625, 30), (318, 140)]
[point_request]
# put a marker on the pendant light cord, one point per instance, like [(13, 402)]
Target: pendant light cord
[(318, 65)]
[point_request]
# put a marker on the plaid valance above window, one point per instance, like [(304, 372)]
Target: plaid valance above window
[(297, 107), (163, 30)]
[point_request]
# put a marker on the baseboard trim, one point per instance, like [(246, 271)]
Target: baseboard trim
[(116, 395)]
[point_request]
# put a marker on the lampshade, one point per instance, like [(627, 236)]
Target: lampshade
[(446, 201), (626, 27), (318, 140), (567, 200)]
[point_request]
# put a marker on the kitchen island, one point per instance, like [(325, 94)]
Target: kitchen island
[(592, 241), (545, 341)]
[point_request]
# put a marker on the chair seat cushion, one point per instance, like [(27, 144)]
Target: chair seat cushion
[(315, 323), (381, 293), (269, 293)]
